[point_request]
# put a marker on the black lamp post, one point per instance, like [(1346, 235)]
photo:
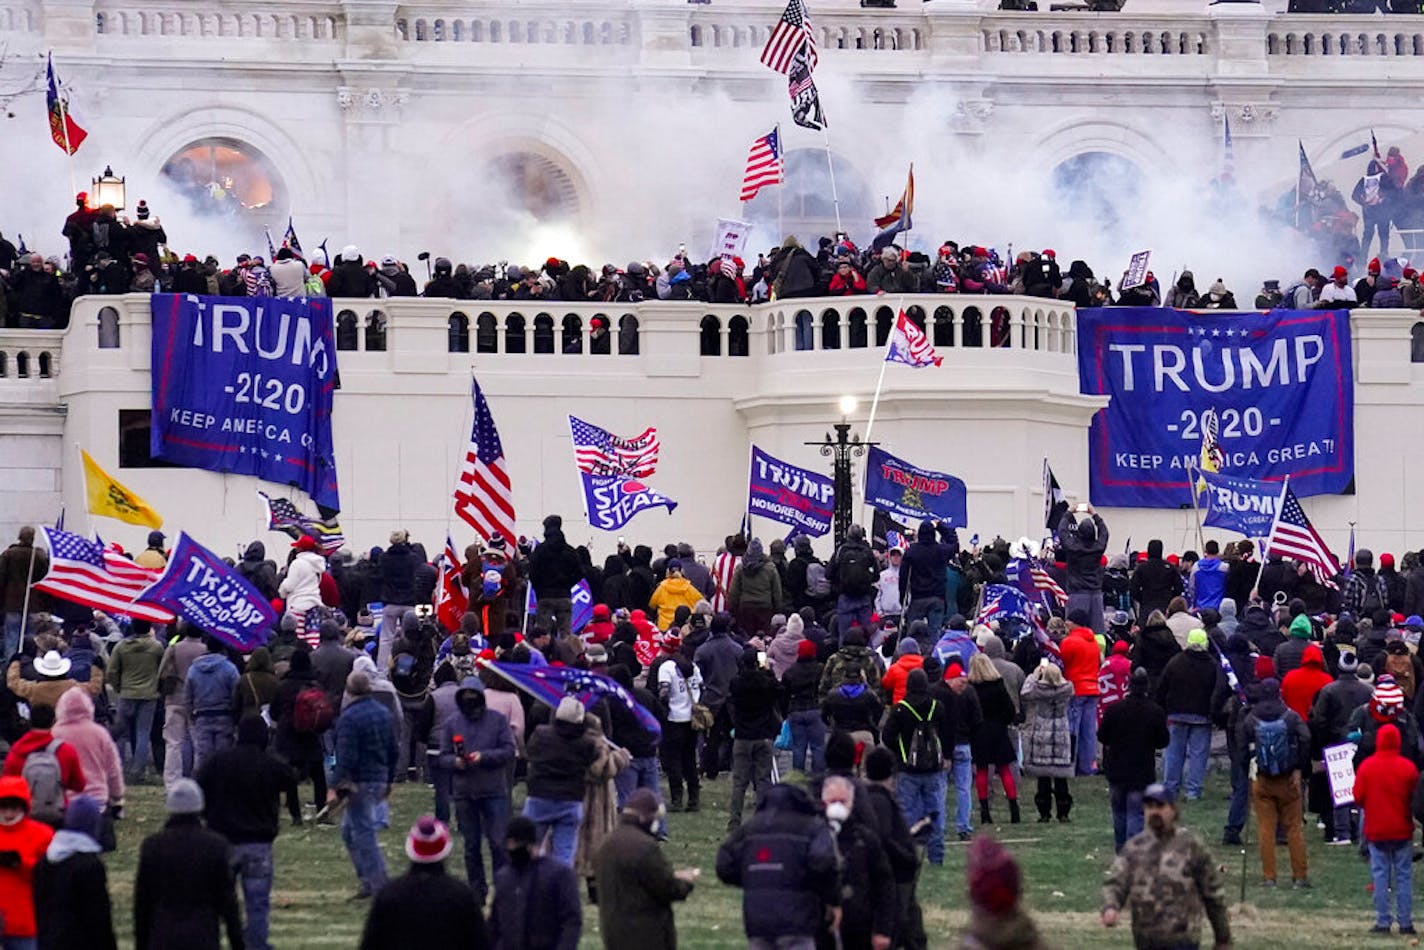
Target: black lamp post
[(841, 450)]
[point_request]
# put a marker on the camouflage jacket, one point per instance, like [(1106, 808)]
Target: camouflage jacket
[(1167, 884)]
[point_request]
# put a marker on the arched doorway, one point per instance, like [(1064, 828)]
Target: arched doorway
[(806, 206), (1099, 187), (227, 177)]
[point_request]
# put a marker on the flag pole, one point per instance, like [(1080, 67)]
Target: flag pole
[(63, 98), (1196, 509), (889, 342), (781, 187), (835, 195), (1285, 486)]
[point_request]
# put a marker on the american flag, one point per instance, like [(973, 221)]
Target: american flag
[(86, 572), (1212, 457), (600, 452), (1293, 536), (483, 497), (283, 516), (1001, 600), (909, 345), (791, 33), (764, 165), (1038, 577), (1228, 154)]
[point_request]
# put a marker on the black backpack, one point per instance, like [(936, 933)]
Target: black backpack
[(924, 753), (1375, 596), (856, 570)]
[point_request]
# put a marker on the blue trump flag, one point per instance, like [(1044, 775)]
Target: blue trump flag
[(245, 385), (791, 495), (549, 684), (1280, 385), (612, 500), (1238, 504), (896, 486), (215, 598), (581, 595)]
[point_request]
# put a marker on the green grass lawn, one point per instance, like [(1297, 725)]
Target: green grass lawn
[(1063, 867)]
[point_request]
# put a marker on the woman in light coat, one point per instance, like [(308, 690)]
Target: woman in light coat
[(1047, 738)]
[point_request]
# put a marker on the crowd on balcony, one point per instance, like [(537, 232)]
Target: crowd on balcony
[(113, 254), (1355, 6)]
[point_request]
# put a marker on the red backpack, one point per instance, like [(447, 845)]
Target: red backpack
[(312, 712)]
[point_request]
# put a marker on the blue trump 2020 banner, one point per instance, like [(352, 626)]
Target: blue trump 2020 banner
[(895, 486), (1239, 504), (245, 385), (215, 598), (791, 495), (1280, 385)]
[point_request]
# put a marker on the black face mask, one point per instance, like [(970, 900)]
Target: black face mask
[(520, 857), (472, 706)]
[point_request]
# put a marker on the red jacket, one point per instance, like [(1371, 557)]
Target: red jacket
[(1301, 684), (1384, 787), (895, 677), (1082, 661), (71, 772), (28, 839), (1113, 677)]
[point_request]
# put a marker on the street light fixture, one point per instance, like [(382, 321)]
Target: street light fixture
[(108, 190), (841, 449)]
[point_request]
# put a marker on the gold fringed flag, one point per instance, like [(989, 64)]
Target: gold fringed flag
[(108, 498)]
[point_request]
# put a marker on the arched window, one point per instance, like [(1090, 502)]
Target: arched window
[(514, 336), (710, 336), (738, 343), (973, 332), (807, 208), (859, 333), (4, 364), (543, 333), (222, 177), (1416, 345), (1100, 187), (347, 335), (486, 333), (627, 335), (572, 336), (375, 332), (830, 330), (459, 333), (943, 326), (46, 365), (108, 328), (884, 321), (22, 365), (535, 184)]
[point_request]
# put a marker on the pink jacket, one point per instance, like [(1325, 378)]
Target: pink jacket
[(103, 771)]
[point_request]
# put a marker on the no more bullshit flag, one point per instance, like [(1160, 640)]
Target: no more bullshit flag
[(790, 494), (1280, 384)]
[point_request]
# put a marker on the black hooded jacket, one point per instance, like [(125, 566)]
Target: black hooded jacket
[(261, 572), (1155, 582), (1082, 550), (922, 567), (554, 566)]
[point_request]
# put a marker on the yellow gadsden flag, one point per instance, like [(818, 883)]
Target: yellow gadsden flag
[(107, 497)]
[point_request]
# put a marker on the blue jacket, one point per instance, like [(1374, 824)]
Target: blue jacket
[(365, 743), (1208, 583), (208, 688)]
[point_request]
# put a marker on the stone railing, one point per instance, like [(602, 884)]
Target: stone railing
[(1103, 33), (29, 354), (513, 26), (296, 21), (1299, 35)]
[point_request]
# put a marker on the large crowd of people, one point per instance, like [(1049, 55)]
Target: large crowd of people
[(109, 253), (869, 702)]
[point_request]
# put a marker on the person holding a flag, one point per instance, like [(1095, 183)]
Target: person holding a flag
[(20, 566), (1082, 539)]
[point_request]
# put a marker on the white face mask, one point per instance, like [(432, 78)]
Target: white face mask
[(837, 811)]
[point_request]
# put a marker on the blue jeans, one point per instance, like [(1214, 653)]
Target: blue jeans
[(963, 770), (1240, 795), (561, 821), (640, 773), (1126, 813), (931, 611), (12, 635), (1083, 727), (482, 817), (363, 818), (440, 779), (19, 943), (1393, 860), (1189, 744), (210, 734), (133, 728), (853, 612), (252, 863), (808, 734), (922, 794)]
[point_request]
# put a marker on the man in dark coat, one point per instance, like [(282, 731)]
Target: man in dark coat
[(922, 575), (1154, 582), (72, 909), (755, 724), (536, 899), (350, 278), (20, 565), (398, 565), (476, 747), (261, 572), (183, 889), (868, 908), (1132, 731), (242, 791), (554, 569), (636, 885), (785, 861), (425, 907), (1081, 544)]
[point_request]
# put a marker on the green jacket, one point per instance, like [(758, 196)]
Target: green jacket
[(133, 667), (759, 588)]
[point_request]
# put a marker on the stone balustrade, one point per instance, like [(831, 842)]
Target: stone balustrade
[(29, 354)]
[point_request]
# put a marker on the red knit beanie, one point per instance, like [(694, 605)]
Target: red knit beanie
[(1265, 668), (994, 878), (805, 650)]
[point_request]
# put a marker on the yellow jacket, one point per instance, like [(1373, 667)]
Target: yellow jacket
[(671, 594)]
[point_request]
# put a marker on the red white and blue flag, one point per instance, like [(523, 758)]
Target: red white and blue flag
[(484, 499), (452, 602), (600, 452), (764, 165), (1294, 537), (86, 571), (909, 345), (62, 128), (791, 36)]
